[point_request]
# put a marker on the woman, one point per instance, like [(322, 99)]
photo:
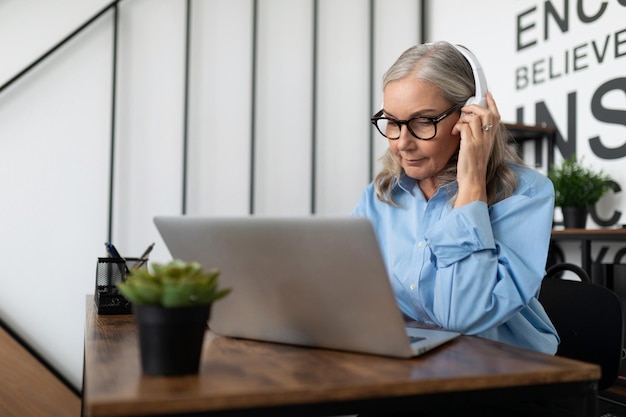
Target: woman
[(463, 225)]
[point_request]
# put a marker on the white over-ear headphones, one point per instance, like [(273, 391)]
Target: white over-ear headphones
[(479, 77)]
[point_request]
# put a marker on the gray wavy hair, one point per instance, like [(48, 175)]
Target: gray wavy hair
[(442, 65)]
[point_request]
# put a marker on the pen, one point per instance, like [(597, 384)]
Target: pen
[(107, 245), (115, 254), (147, 252), (144, 257)]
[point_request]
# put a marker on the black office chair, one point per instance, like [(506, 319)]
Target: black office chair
[(588, 318)]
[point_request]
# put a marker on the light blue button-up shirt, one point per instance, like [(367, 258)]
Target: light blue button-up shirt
[(472, 269)]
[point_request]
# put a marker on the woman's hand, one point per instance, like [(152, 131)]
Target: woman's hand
[(477, 126)]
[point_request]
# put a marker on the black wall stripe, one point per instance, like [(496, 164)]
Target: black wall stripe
[(253, 104), (422, 19), (113, 121), (313, 209), (370, 149), (186, 110)]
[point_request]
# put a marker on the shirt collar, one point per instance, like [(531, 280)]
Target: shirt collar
[(408, 184)]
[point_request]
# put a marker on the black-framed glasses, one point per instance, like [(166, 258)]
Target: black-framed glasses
[(422, 127)]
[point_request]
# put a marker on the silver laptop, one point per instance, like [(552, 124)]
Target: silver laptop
[(317, 282)]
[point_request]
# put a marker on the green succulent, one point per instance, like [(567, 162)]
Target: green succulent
[(175, 284), (576, 185)]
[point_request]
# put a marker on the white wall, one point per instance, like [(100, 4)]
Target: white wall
[(29, 28), (56, 128), (149, 156)]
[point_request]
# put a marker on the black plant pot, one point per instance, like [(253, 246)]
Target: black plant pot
[(574, 217), (170, 339)]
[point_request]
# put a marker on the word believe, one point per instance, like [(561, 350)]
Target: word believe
[(578, 58)]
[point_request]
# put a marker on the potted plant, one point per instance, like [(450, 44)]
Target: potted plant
[(576, 189), (171, 304)]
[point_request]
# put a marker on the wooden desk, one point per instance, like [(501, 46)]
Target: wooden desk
[(240, 377), (586, 236)]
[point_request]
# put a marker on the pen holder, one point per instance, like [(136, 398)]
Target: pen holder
[(107, 297)]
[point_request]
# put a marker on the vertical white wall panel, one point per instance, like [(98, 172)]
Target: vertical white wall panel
[(343, 126), (54, 147), (283, 122), (220, 107), (396, 28), (149, 148)]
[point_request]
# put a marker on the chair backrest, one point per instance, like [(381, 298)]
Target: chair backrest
[(588, 318)]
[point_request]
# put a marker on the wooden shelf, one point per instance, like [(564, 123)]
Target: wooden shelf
[(586, 237), (524, 133)]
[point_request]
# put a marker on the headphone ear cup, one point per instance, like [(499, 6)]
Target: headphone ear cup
[(479, 77)]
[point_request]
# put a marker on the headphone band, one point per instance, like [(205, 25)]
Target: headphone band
[(479, 76)]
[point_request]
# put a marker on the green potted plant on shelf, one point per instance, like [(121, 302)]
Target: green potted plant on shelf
[(577, 188), (171, 305)]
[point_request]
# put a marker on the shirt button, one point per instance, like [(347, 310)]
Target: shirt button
[(412, 287), (420, 245)]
